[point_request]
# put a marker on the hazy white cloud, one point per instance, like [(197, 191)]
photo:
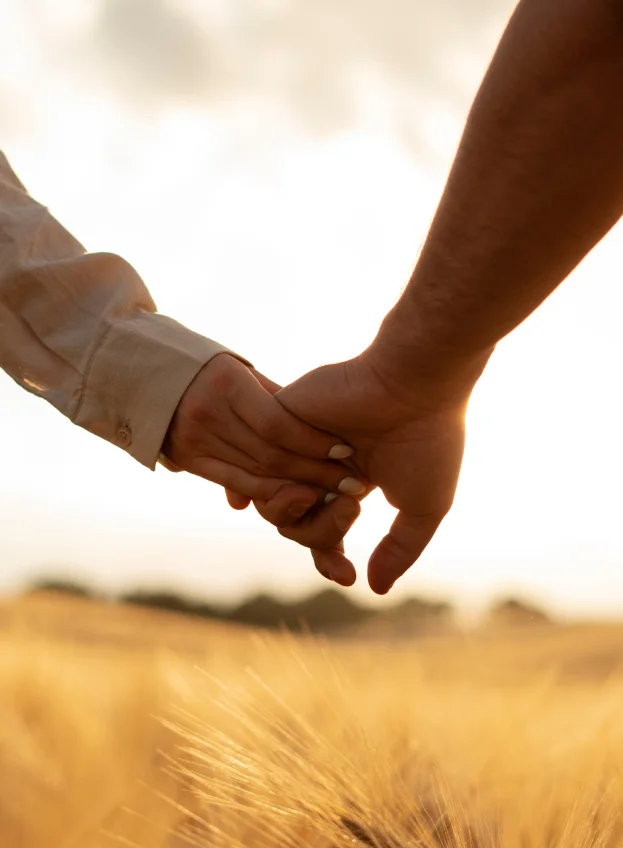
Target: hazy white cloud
[(328, 64), (204, 141), (149, 52)]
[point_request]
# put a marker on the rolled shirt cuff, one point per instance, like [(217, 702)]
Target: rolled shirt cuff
[(136, 379)]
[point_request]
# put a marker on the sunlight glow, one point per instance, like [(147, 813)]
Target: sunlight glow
[(290, 248)]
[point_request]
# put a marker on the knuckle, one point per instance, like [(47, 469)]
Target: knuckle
[(265, 489), (398, 547), (218, 376), (197, 406), (269, 427), (223, 381), (201, 410), (435, 516), (269, 489)]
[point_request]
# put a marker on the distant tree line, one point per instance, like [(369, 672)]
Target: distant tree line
[(323, 612)]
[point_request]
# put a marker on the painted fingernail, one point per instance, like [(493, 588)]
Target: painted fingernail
[(330, 497), (350, 486), (340, 452), (298, 510)]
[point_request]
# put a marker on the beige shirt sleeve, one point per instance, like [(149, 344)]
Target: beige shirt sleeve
[(81, 330)]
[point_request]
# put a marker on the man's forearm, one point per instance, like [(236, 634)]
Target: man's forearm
[(536, 183)]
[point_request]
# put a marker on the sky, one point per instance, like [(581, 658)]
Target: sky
[(271, 167)]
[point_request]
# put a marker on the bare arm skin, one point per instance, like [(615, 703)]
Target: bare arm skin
[(536, 183)]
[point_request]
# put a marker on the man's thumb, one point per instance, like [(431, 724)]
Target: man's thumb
[(395, 554)]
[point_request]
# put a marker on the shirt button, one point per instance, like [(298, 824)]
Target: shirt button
[(124, 437)]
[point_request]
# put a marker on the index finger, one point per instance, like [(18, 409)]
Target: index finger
[(395, 554), (334, 565), (322, 529), (273, 423), (325, 526)]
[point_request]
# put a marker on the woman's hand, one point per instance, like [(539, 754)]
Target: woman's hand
[(228, 428)]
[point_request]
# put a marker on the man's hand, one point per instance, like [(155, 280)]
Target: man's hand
[(536, 183), (228, 428), (407, 444)]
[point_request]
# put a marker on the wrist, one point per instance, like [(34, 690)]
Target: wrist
[(418, 368)]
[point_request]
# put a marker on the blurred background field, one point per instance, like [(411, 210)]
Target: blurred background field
[(125, 725)]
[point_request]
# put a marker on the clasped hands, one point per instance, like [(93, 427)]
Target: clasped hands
[(306, 455)]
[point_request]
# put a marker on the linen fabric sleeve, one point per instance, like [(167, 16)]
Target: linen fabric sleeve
[(81, 331)]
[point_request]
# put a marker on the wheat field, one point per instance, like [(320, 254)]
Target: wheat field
[(125, 727)]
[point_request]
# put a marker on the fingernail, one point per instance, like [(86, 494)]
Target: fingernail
[(298, 510), (330, 497), (340, 452), (350, 486)]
